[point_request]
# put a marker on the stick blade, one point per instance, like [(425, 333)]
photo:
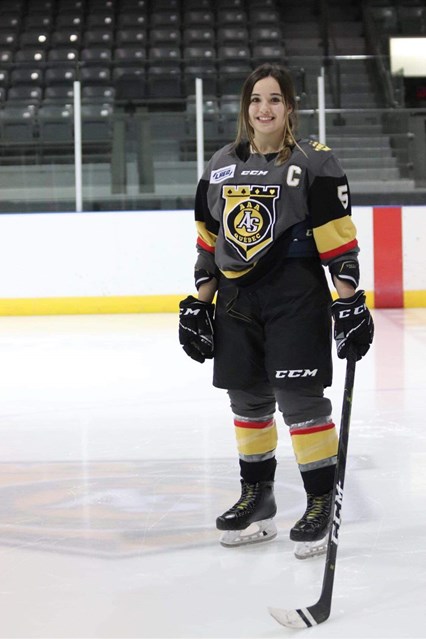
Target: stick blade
[(293, 618)]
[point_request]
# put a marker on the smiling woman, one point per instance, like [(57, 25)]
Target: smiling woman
[(271, 211), (268, 114)]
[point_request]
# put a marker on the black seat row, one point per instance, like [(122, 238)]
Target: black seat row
[(46, 6), (43, 39), (165, 54), (55, 94), (54, 124), (124, 17), (140, 82)]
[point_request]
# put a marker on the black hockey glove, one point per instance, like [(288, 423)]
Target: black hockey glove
[(196, 328), (353, 326)]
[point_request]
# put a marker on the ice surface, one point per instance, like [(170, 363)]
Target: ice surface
[(117, 455)]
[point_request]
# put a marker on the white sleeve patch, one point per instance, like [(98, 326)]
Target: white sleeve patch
[(220, 175)]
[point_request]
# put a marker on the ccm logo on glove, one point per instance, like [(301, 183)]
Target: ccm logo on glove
[(348, 311), (190, 311), (196, 328), (353, 326)]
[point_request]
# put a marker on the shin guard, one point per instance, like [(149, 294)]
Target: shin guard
[(255, 437), (315, 445)]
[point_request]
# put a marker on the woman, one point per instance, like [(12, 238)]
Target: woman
[(270, 212)]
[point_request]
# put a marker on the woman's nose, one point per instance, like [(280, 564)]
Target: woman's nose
[(264, 107)]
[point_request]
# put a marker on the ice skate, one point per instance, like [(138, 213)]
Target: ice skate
[(250, 520), (311, 531)]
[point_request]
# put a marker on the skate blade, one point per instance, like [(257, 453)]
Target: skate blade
[(258, 532), (308, 549)]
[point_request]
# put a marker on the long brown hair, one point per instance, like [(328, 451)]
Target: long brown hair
[(245, 131)]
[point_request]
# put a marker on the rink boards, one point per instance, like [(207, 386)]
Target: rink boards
[(142, 261)]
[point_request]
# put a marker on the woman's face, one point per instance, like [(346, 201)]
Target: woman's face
[(267, 110)]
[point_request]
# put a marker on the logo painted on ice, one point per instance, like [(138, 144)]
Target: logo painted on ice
[(298, 372), (337, 520), (222, 174)]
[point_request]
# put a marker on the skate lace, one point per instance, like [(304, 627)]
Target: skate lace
[(247, 499), (318, 508)]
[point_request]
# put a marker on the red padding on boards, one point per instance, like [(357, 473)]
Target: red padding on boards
[(387, 231)]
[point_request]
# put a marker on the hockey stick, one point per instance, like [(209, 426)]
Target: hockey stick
[(319, 612)]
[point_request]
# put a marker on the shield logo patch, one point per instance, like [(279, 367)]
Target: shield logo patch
[(249, 217)]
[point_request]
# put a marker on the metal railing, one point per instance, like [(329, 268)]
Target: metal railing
[(136, 155)]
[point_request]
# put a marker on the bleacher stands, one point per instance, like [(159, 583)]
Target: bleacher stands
[(149, 42), (403, 18), (149, 52)]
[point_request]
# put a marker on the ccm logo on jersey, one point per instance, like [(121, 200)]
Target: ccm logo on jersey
[(254, 172), (298, 372), (222, 174)]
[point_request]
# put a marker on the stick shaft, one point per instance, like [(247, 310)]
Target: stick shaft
[(322, 608), (319, 612)]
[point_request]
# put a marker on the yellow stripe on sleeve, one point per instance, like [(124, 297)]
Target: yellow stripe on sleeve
[(206, 236), (334, 234)]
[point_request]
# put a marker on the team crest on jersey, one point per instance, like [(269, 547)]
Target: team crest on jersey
[(249, 217)]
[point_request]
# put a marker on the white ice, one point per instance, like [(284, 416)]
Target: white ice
[(117, 455)]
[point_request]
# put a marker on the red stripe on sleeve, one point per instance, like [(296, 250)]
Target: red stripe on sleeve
[(204, 245), (388, 270), (328, 255)]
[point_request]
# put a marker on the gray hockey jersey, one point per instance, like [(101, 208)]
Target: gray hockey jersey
[(246, 204)]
